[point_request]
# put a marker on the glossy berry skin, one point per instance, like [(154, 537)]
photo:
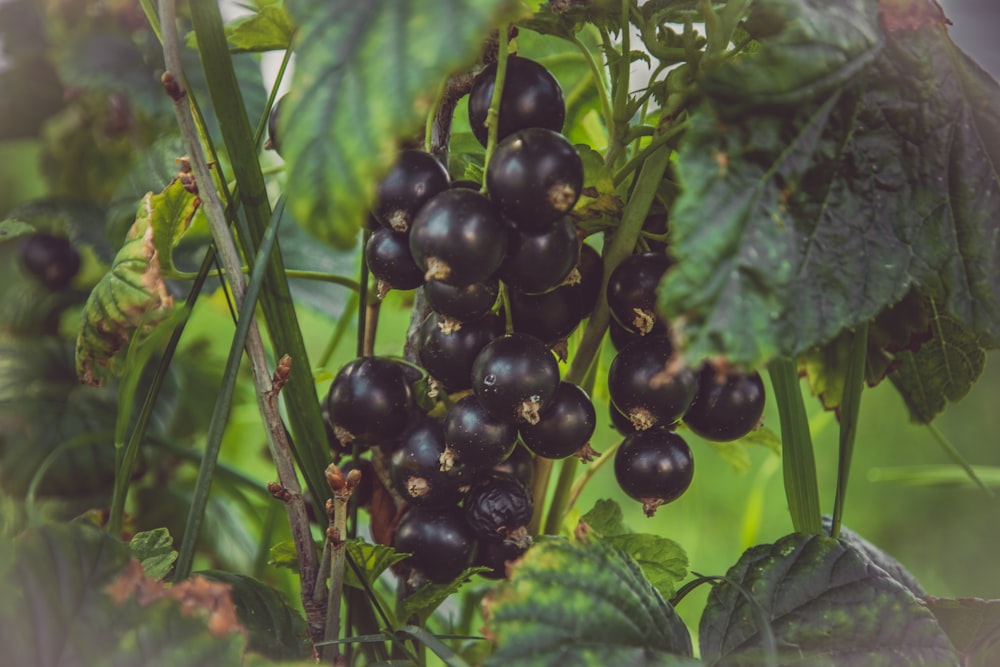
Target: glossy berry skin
[(535, 176), (440, 540), (447, 354), (411, 182), (619, 335), (520, 465), (388, 256), (459, 238), (515, 377), (531, 98), (498, 508), (369, 400), (497, 555), (654, 466), (564, 427), (550, 317), (52, 260), (416, 468), (727, 406), (632, 292), (590, 268), (475, 438), (465, 303), (619, 421), (537, 263), (642, 387)]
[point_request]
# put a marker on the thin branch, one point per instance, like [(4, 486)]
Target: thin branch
[(267, 388)]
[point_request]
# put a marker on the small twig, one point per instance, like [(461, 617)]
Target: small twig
[(267, 388), (336, 509)]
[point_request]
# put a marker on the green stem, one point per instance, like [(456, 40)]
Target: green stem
[(850, 406), (598, 75), (957, 458), (339, 329), (619, 248), (655, 143), (493, 113), (316, 276), (797, 457)]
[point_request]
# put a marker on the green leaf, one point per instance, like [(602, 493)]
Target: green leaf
[(606, 519), (973, 625), (372, 559), (567, 604), (423, 601), (276, 629), (131, 295), (880, 558), (270, 29), (171, 212), (796, 223), (827, 604), (942, 370), (155, 550), (806, 50), (365, 76)]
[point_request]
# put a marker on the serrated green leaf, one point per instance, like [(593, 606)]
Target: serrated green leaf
[(365, 76), (283, 555), (171, 212), (372, 559), (131, 295), (582, 605), (270, 29), (784, 210), (276, 629), (423, 601), (973, 625), (827, 604), (155, 550), (942, 370), (662, 560), (892, 566), (806, 51), (606, 519)]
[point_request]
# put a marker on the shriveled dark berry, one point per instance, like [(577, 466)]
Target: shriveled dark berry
[(498, 508)]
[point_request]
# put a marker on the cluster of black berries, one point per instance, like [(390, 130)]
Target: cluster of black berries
[(652, 389), (458, 244)]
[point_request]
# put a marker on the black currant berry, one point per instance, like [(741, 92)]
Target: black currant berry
[(727, 406), (499, 508), (515, 377), (369, 400), (654, 466), (52, 260), (475, 438), (447, 351), (497, 556), (390, 261), (649, 385), (440, 540), (632, 292), (465, 303), (459, 238), (419, 468), (550, 317), (537, 263), (535, 176), (620, 336), (531, 98), (520, 465), (619, 421), (565, 427), (413, 180), (586, 286), (272, 126)]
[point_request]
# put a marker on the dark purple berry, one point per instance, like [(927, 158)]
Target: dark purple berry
[(727, 405), (497, 556), (412, 181), (459, 238), (464, 303), (419, 469), (388, 256), (531, 98), (649, 385), (369, 400), (447, 348), (272, 126), (52, 260), (537, 263), (654, 466), (566, 425), (474, 437), (440, 540), (515, 377), (535, 176), (632, 292), (498, 508), (520, 465)]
